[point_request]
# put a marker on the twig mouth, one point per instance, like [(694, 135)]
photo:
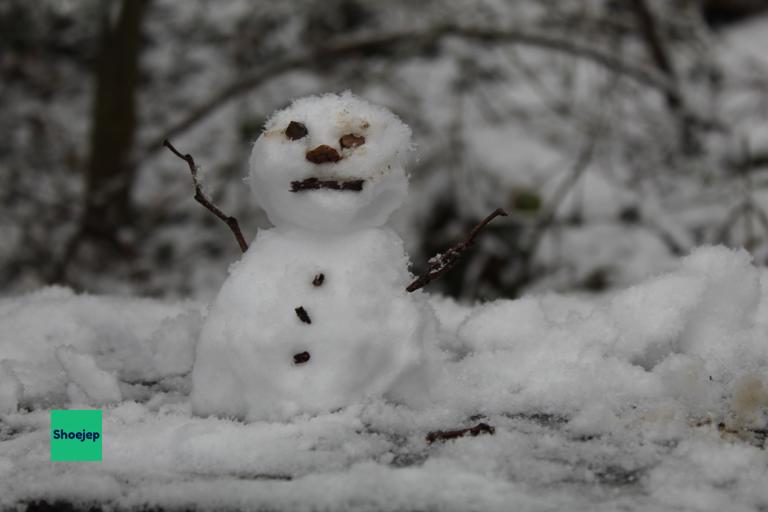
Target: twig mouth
[(353, 185)]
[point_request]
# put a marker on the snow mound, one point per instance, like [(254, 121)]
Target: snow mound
[(88, 383), (652, 398), (689, 336), (56, 343)]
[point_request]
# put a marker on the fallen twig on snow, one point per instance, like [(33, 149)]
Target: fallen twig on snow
[(446, 435)]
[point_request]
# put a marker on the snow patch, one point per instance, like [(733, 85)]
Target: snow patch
[(652, 398)]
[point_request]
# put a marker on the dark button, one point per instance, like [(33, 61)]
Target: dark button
[(303, 315), (301, 357)]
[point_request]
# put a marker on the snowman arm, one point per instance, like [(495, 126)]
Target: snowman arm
[(442, 263), (201, 198)]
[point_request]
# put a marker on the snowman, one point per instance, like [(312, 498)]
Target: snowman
[(316, 316)]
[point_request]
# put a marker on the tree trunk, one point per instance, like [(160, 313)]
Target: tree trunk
[(110, 172)]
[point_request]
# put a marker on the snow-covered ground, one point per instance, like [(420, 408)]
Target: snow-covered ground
[(651, 399)]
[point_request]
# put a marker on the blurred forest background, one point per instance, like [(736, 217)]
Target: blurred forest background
[(618, 134)]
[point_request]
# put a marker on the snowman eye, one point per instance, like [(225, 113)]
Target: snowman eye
[(296, 130), (351, 140)]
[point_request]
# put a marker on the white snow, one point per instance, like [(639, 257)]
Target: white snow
[(653, 398), (87, 383), (130, 338)]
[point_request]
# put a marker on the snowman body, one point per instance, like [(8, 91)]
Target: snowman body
[(316, 316), (258, 359)]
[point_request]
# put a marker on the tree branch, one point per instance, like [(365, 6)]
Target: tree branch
[(660, 55), (654, 41), (201, 198), (330, 54), (550, 214), (442, 263)]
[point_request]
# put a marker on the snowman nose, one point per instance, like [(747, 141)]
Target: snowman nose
[(322, 154)]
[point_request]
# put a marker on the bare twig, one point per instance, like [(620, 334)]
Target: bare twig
[(675, 247), (548, 217), (201, 198), (660, 54), (655, 44), (317, 183), (741, 209), (442, 263), (446, 435), (752, 161)]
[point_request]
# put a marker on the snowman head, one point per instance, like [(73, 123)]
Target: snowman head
[(331, 163)]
